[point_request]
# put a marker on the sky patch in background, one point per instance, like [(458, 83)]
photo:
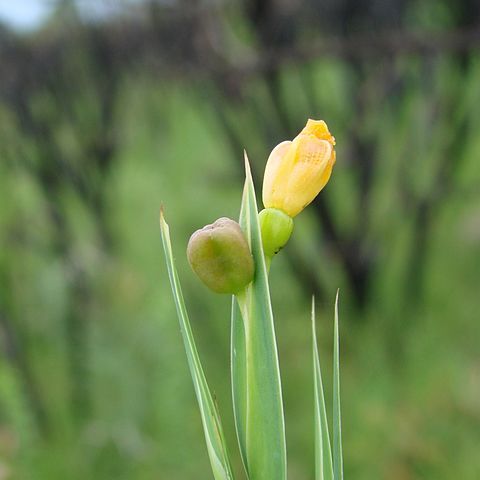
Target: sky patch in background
[(24, 14)]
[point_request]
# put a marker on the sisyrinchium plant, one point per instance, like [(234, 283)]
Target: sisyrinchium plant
[(234, 258)]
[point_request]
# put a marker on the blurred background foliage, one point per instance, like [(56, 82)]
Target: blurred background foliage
[(108, 109)]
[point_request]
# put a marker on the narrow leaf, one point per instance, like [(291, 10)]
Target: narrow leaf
[(239, 379), (216, 446), (323, 451), (337, 424), (255, 370)]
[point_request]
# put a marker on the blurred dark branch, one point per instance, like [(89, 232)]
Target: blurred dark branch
[(350, 249), (424, 207), (378, 45), (155, 45)]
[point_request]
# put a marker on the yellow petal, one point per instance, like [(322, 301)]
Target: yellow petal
[(276, 174), (310, 174), (319, 129)]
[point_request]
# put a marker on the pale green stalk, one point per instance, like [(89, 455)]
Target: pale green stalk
[(256, 385)]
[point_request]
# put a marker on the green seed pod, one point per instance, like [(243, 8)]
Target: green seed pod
[(220, 256), (276, 227)]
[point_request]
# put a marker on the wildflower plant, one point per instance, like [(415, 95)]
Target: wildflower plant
[(234, 258)]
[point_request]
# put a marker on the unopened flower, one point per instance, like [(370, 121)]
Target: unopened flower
[(219, 254), (297, 170)]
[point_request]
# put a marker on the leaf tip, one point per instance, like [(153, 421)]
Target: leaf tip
[(163, 223), (248, 172), (314, 333)]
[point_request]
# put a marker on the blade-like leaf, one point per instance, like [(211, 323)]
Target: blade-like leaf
[(239, 379), (256, 382), (216, 446), (323, 451), (238, 350), (337, 424)]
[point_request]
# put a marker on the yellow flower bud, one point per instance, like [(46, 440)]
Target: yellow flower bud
[(297, 170)]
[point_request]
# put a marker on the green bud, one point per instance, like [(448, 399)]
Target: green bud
[(276, 227), (220, 256)]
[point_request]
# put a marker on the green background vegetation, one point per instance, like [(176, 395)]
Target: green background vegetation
[(93, 376)]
